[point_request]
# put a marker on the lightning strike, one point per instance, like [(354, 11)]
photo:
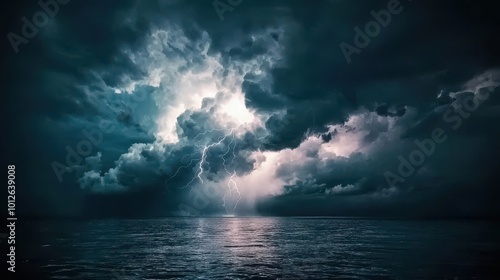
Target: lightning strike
[(232, 187), (231, 184)]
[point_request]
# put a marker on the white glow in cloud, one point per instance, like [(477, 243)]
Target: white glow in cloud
[(185, 74)]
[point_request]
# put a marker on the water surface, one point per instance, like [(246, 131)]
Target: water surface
[(258, 248)]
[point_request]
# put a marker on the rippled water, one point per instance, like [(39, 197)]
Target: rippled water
[(259, 248)]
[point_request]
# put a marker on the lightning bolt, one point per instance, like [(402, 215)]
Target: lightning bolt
[(205, 132), (192, 160), (204, 156), (232, 187), (182, 167)]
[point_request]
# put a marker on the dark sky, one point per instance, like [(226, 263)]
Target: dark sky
[(146, 108)]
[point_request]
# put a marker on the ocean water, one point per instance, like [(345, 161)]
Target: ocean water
[(257, 248)]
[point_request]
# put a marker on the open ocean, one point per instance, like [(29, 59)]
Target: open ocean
[(257, 248)]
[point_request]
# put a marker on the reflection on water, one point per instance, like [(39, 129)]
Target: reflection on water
[(239, 248)]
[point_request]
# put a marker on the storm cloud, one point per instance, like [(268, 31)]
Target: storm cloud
[(258, 113)]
